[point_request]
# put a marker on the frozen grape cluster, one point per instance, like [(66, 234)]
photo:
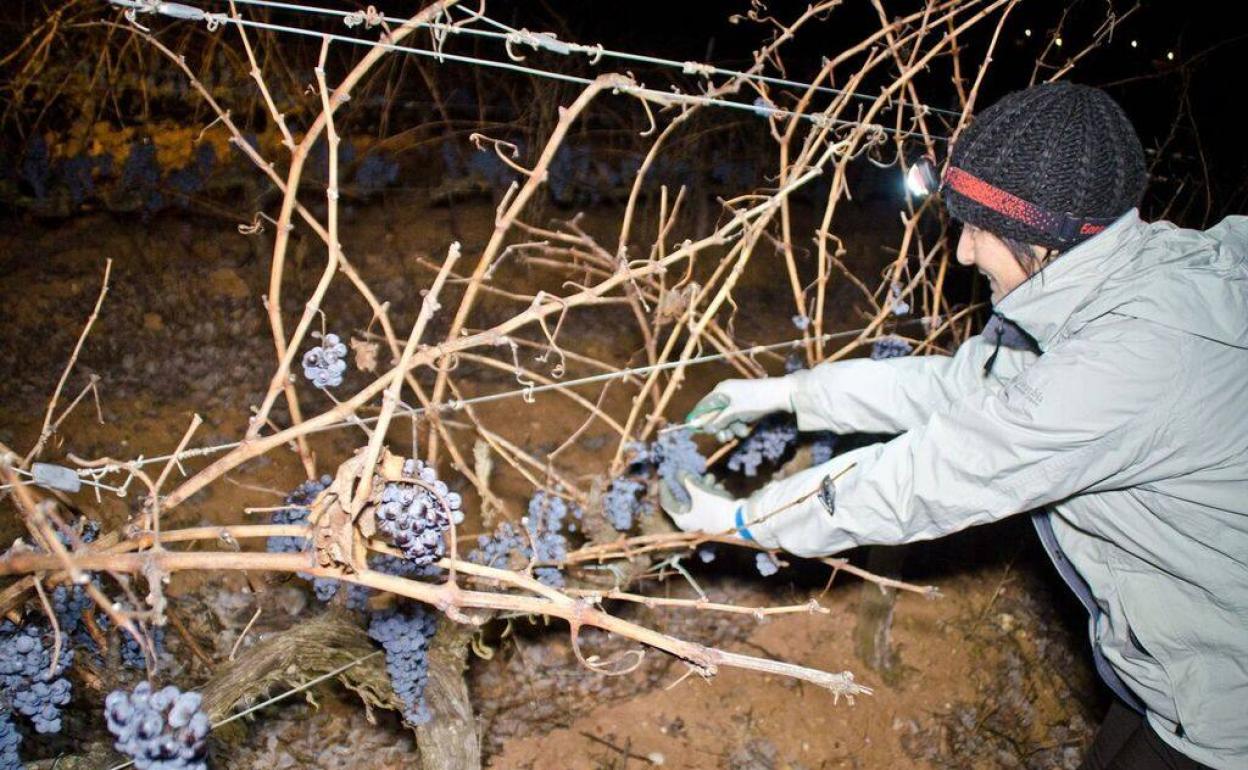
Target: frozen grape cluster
[(623, 502), (70, 602), (673, 454), (822, 447), (132, 652), (141, 175), (296, 511), (36, 166), (29, 680), (768, 442), (191, 178), (404, 634), (889, 347), (677, 455), (358, 595), (161, 730), (497, 549), (415, 514), (375, 173), (547, 513), (10, 739), (325, 364), (544, 540), (766, 564), (900, 306)]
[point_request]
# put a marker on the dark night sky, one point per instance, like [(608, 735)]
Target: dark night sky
[(1186, 100), (1210, 47)]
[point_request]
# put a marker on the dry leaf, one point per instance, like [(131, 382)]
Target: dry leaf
[(365, 354)]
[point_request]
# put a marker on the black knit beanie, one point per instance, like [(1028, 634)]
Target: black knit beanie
[(1067, 150)]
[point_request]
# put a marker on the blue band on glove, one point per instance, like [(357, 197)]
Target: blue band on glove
[(740, 521)]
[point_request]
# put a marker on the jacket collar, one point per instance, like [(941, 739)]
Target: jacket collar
[(1044, 303)]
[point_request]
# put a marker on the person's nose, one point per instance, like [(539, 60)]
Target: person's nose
[(966, 250)]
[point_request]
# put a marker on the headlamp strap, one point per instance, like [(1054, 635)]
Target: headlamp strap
[(1065, 227)]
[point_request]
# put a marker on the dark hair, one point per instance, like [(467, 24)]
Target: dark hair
[(1025, 255)]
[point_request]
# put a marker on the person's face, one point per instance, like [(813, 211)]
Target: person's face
[(988, 254)]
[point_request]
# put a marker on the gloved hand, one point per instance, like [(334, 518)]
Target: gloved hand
[(799, 513), (708, 508), (728, 409)]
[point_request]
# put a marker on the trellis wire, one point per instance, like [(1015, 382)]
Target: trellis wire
[(183, 12), (547, 41)]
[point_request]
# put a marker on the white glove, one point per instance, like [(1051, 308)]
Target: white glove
[(727, 410), (799, 513), (708, 507)]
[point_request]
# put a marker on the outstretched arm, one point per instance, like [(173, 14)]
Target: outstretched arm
[(1090, 414), (898, 394)]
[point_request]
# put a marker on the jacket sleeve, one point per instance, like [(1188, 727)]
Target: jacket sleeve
[(897, 394), (1091, 414)]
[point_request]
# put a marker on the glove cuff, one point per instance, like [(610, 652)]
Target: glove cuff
[(786, 396), (742, 531)]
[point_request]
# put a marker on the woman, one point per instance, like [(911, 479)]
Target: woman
[(1117, 413)]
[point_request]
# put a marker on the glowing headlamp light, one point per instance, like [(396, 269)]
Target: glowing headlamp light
[(922, 179)]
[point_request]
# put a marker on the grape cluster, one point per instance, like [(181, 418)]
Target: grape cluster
[(568, 174), (673, 454), (623, 502), (132, 652), (325, 364), (404, 634), (414, 516), (376, 172), (358, 595), (497, 549), (889, 347), (452, 162), (296, 511), (29, 680), (900, 306), (76, 173), (70, 602), (547, 513), (141, 174), (192, 178), (10, 739), (769, 440), (36, 166), (545, 540), (766, 564), (486, 166), (822, 447), (161, 730), (734, 175)]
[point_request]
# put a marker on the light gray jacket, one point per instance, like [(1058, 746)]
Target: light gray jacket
[(1132, 426)]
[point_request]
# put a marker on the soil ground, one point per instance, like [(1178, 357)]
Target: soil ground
[(994, 674)]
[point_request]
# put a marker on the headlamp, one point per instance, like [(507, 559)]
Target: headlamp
[(922, 179)]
